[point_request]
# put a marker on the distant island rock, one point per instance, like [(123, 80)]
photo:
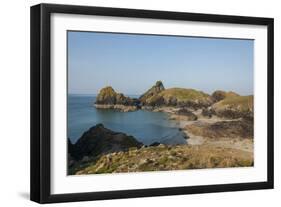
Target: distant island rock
[(109, 99)]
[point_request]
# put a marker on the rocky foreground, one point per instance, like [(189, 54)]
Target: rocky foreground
[(164, 157), (101, 150)]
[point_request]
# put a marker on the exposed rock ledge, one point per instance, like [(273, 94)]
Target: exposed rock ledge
[(117, 107)]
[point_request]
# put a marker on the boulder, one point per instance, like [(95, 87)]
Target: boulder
[(99, 140)]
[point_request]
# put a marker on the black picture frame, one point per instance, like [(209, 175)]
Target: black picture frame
[(41, 99)]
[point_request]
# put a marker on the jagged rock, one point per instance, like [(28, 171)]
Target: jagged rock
[(154, 90), (99, 140)]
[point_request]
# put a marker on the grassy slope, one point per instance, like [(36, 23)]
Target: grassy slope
[(169, 158), (240, 102), (182, 94)]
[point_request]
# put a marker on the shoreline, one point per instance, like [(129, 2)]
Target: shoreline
[(238, 143), (130, 155), (244, 144)]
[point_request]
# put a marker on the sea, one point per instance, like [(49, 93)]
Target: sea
[(146, 126)]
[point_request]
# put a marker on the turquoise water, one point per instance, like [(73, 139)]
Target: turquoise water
[(146, 126)]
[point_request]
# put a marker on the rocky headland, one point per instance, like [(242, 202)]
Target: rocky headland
[(180, 101)]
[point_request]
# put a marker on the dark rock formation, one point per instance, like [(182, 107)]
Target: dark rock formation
[(220, 95), (227, 129), (70, 150), (99, 140), (208, 112), (154, 144), (185, 112), (235, 114)]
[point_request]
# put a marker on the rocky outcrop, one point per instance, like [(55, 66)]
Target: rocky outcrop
[(223, 129), (117, 107), (153, 91), (158, 96), (187, 113), (99, 140), (208, 112), (234, 107), (220, 95), (109, 99)]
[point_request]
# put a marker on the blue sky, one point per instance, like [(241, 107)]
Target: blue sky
[(133, 63)]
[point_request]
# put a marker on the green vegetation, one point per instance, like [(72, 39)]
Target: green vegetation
[(182, 94), (164, 157), (179, 96), (243, 103)]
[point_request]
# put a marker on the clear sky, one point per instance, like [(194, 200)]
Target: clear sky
[(131, 64)]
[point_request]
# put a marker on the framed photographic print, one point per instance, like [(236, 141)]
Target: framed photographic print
[(132, 103)]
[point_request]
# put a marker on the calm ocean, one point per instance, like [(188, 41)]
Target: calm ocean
[(146, 126)]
